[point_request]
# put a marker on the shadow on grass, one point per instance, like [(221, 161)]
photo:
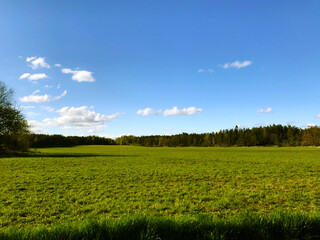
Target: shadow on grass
[(59, 155), (243, 226)]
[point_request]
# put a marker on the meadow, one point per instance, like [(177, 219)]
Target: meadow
[(63, 186)]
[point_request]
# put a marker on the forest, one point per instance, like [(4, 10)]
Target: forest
[(275, 135), (45, 140)]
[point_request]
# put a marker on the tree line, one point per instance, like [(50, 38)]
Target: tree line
[(45, 140), (275, 135)]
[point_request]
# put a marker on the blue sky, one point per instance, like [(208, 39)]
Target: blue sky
[(110, 68)]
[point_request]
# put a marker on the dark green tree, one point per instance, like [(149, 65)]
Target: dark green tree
[(13, 126)]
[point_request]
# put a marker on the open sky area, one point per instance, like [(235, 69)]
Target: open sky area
[(112, 68)]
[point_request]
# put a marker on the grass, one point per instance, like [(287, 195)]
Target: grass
[(241, 226), (61, 186)]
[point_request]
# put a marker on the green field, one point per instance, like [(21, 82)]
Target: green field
[(59, 185)]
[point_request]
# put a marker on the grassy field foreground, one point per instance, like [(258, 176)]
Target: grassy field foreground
[(240, 226), (68, 185)]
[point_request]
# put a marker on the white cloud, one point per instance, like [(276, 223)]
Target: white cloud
[(97, 129), (49, 109), (36, 127), (36, 98), (37, 62), (264, 110), (41, 98), (32, 114), (209, 70), (263, 124), (33, 77), (237, 64), (79, 75), (57, 65), (37, 76), (73, 118), (48, 86), (310, 125), (184, 111), (318, 116), (29, 59), (25, 75), (26, 107), (81, 117), (148, 111), (293, 122), (62, 95)]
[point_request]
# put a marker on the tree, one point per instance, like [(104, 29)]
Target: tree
[(13, 126), (311, 136)]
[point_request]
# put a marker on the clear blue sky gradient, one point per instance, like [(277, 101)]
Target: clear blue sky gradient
[(148, 54)]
